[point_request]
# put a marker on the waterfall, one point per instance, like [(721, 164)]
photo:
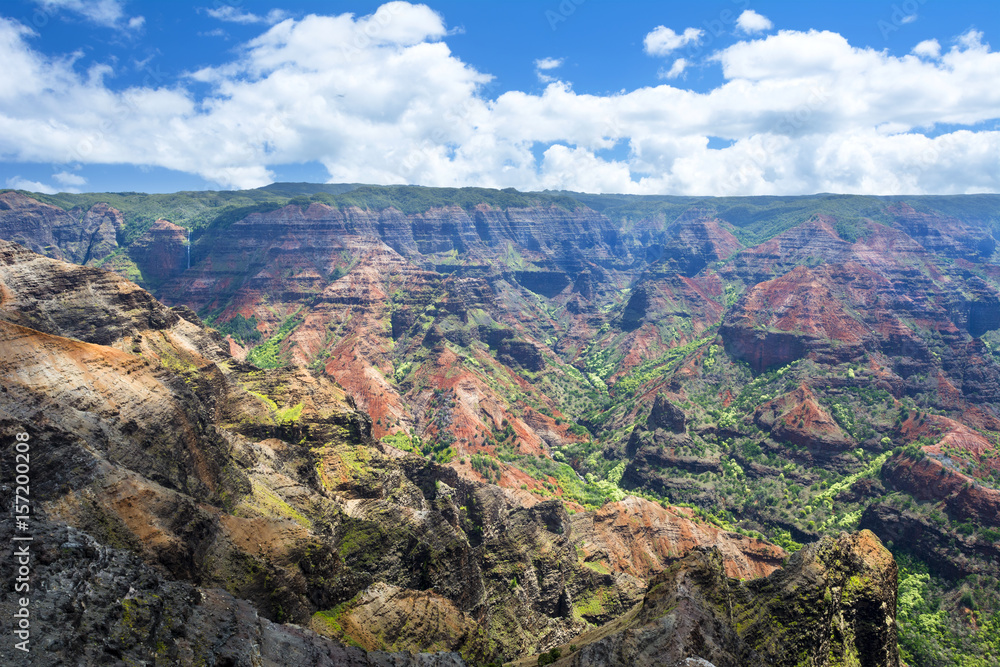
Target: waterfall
[(189, 248)]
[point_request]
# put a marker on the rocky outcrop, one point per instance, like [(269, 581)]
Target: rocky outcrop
[(949, 554), (91, 305), (161, 252), (943, 234), (796, 315), (666, 415), (100, 606), (798, 419), (79, 236), (964, 497), (833, 603), (521, 354), (641, 538)]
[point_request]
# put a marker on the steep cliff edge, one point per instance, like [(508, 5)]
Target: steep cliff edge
[(79, 236)]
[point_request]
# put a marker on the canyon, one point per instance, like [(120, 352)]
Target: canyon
[(381, 425)]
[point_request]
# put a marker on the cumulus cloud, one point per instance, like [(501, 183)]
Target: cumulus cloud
[(382, 99), (107, 13), (69, 179), (751, 22), (929, 48), (662, 40)]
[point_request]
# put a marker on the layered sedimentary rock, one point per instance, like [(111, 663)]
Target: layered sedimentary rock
[(83, 237)]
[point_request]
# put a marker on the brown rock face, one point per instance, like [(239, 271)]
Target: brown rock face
[(103, 606), (833, 603), (797, 418), (161, 252), (89, 304), (779, 321), (641, 538), (666, 415), (930, 479), (82, 237)]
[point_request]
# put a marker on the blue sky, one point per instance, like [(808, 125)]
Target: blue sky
[(724, 97)]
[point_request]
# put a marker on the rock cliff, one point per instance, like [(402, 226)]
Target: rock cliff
[(833, 603)]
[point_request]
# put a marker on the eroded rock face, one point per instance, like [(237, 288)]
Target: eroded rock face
[(666, 415), (833, 603), (268, 484), (82, 237), (91, 305), (797, 418), (640, 538), (161, 251), (930, 479), (103, 606), (948, 554)]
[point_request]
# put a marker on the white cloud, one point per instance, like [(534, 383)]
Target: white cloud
[(548, 63), (69, 179), (929, 48), (662, 40), (382, 99), (751, 22), (973, 40), (544, 65), (107, 13), (234, 15), (19, 183), (675, 70)]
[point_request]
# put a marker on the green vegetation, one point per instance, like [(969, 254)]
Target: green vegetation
[(943, 623), (268, 354), (486, 466), (242, 329), (418, 199), (439, 451), (660, 367), (550, 657), (193, 210), (852, 229)]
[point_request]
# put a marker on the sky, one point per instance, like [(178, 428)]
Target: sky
[(722, 97)]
